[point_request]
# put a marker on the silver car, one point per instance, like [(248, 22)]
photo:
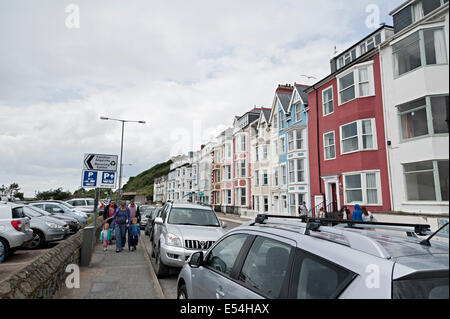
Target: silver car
[(86, 205), (15, 229), (181, 230), (46, 229), (286, 259)]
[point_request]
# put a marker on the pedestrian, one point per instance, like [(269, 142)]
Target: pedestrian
[(106, 236), (135, 232), (109, 210), (366, 215), (302, 209), (120, 222), (134, 210), (357, 213)]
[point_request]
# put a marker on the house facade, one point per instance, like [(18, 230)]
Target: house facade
[(346, 131), (160, 189), (416, 105)]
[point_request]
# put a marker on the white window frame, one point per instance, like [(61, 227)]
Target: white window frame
[(240, 196), (364, 187), (276, 180), (298, 112), (265, 175), (323, 100), (327, 146), (282, 144), (283, 174), (265, 151), (256, 177), (359, 135), (356, 82)]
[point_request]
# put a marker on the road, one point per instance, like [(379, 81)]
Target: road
[(169, 284)]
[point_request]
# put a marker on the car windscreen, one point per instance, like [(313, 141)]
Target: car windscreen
[(428, 287), (192, 216), (66, 205), (31, 212), (90, 202), (39, 210)]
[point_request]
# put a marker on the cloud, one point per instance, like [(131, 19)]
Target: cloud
[(183, 66)]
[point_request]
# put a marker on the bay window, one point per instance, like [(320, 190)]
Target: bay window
[(296, 170), (427, 181), (424, 47), (358, 136), (329, 145), (356, 84), (362, 188), (423, 117), (295, 140)]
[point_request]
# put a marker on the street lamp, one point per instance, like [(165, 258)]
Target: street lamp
[(121, 148)]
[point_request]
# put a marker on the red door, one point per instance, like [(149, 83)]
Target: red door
[(334, 197)]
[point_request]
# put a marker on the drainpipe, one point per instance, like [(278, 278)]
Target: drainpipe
[(318, 148), (385, 116)]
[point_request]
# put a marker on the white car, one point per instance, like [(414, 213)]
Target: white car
[(86, 205), (15, 231)]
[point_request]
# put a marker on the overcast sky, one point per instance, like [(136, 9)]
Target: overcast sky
[(185, 67)]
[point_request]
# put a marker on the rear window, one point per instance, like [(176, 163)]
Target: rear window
[(421, 288), (18, 212), (90, 202)]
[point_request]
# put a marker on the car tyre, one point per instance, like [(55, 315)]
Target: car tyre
[(182, 292), (5, 251), (161, 269), (38, 240)]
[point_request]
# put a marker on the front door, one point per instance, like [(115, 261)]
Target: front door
[(334, 197)]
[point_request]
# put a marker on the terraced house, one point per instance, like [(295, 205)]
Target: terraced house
[(416, 103), (347, 158)]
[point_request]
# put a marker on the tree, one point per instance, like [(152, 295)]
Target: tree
[(57, 194)]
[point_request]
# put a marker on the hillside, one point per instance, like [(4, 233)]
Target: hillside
[(143, 183)]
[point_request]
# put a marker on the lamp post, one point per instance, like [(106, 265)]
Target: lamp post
[(121, 148)]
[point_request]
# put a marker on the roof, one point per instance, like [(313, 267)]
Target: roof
[(190, 205), (301, 90), (266, 113), (284, 99)]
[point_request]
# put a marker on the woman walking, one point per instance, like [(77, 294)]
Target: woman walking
[(120, 222)]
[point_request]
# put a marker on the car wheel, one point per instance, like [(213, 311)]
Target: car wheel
[(153, 250), (38, 240), (182, 293), (161, 269), (3, 250)]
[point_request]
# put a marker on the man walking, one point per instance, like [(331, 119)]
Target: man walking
[(134, 210), (120, 222), (109, 210)]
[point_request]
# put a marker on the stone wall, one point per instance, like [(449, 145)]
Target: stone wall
[(43, 277)]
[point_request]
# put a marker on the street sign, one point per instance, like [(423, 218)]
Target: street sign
[(89, 179), (100, 162), (92, 179)]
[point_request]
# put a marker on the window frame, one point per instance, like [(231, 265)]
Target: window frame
[(363, 187), (326, 146), (429, 114), (323, 100), (355, 70), (359, 135), (423, 62)]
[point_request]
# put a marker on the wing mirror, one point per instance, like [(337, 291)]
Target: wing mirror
[(158, 220), (224, 224), (196, 259)]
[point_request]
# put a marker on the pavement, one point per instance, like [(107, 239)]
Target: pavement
[(114, 275)]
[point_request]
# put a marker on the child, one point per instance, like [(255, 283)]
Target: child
[(105, 236), (135, 232)]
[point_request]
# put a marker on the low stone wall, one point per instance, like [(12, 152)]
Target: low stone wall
[(43, 277)]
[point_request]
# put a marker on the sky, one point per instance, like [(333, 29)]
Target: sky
[(185, 67)]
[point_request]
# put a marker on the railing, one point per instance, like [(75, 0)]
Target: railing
[(330, 212)]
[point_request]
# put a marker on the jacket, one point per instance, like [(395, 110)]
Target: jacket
[(124, 215), (134, 230), (106, 211), (108, 237), (357, 213)]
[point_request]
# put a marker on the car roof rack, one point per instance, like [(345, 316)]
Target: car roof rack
[(419, 229)]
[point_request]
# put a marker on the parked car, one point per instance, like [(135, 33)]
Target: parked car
[(55, 207), (45, 228), (145, 211), (151, 222), (183, 229), (290, 259), (15, 229), (73, 223), (86, 205), (72, 208)]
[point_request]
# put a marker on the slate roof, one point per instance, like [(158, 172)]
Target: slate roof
[(301, 90), (284, 99), (266, 113)]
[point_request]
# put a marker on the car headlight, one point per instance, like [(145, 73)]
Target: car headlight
[(173, 240), (53, 225)]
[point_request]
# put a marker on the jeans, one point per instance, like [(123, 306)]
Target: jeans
[(121, 236)]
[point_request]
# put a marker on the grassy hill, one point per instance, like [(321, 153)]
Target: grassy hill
[(142, 184)]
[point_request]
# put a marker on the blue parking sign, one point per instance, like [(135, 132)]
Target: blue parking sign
[(108, 177), (89, 179)]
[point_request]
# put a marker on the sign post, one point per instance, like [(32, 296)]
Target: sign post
[(99, 171)]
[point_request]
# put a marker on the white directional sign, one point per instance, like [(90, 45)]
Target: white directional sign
[(100, 162), (99, 171)]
